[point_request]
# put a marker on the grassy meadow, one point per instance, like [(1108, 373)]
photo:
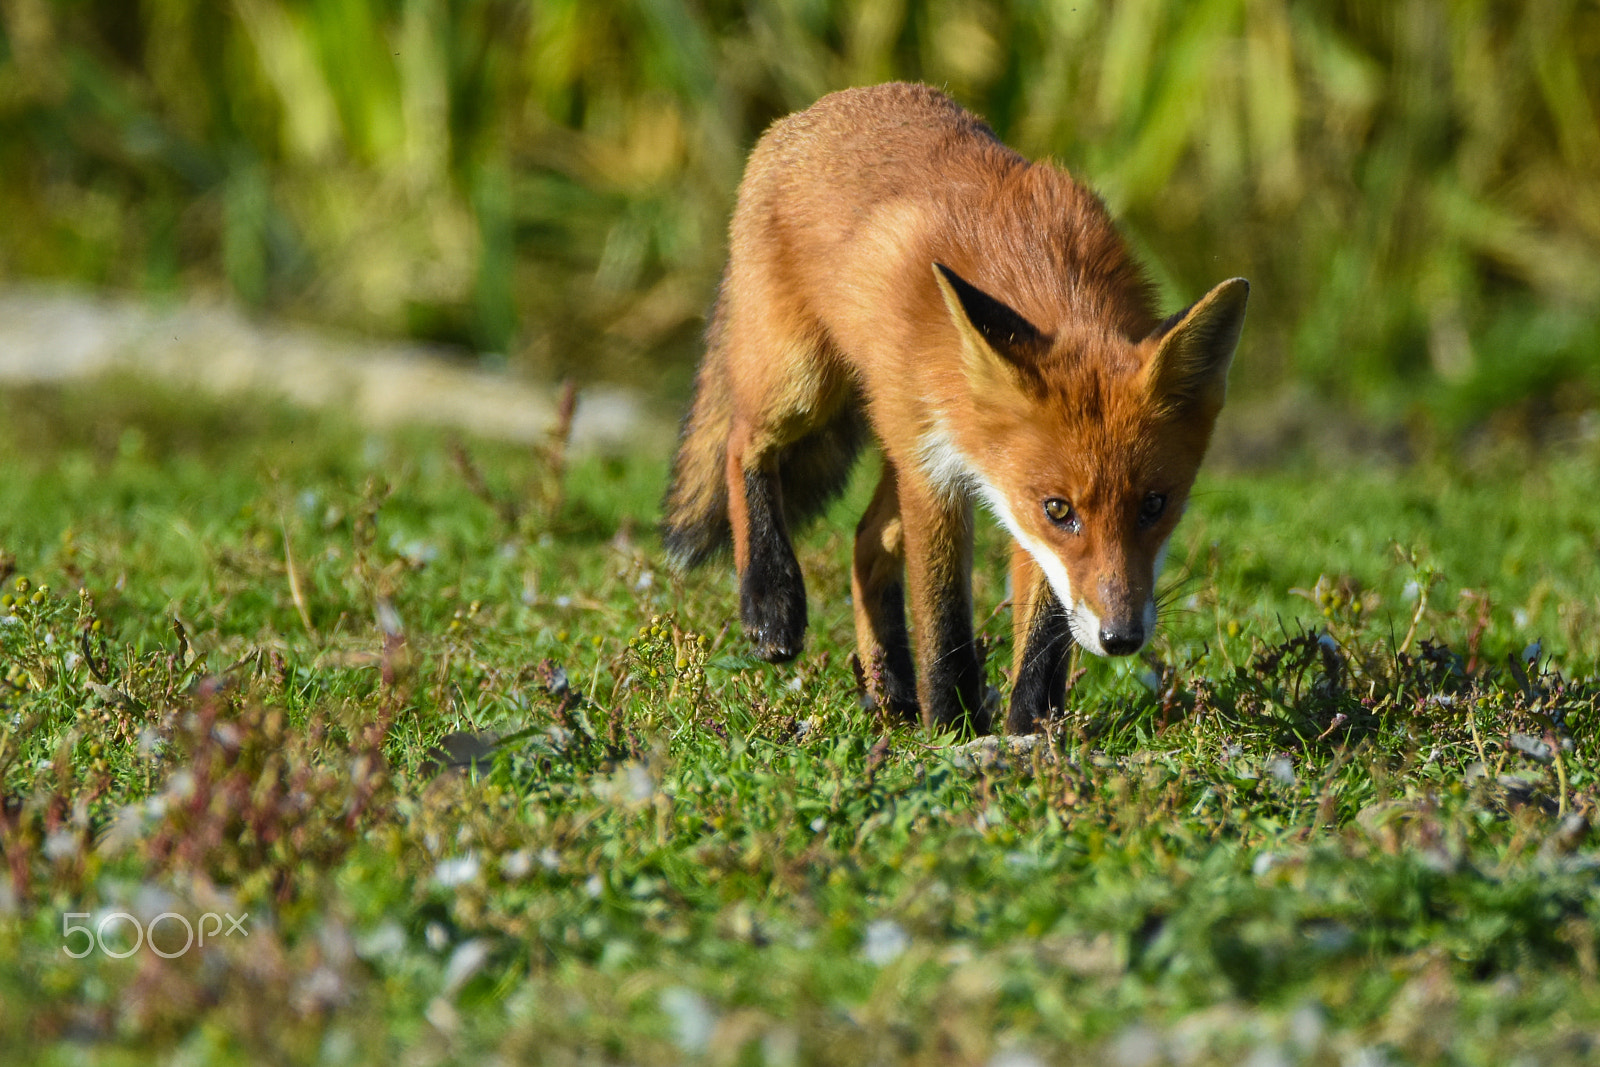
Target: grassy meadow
[(482, 782), (320, 745)]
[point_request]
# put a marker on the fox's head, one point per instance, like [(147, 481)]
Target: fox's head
[(1085, 444)]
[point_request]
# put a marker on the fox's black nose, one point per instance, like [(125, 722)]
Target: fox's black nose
[(1122, 640)]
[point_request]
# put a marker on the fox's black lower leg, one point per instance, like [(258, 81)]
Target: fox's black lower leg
[(890, 679), (955, 684), (938, 554), (772, 595), (1039, 691), (877, 590)]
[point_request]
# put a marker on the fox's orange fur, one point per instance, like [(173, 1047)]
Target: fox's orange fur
[(895, 270)]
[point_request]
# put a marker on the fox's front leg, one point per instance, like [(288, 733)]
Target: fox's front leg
[(938, 552), (1040, 646), (772, 594), (877, 589)]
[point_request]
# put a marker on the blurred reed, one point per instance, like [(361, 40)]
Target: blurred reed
[(1413, 185)]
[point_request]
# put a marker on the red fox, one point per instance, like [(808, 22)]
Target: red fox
[(896, 271)]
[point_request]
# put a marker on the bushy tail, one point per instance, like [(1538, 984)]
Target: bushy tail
[(811, 472)]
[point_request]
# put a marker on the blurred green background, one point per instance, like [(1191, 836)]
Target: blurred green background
[(1413, 186)]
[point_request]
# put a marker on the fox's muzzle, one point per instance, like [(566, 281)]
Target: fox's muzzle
[(1123, 637), (1125, 617)]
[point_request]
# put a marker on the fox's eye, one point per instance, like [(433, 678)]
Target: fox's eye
[(1150, 510), (1061, 513)]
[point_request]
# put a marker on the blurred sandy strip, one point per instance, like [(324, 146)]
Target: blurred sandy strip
[(57, 334)]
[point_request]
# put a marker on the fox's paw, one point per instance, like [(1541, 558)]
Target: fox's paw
[(1022, 721), (982, 720), (775, 620), (773, 647), (1031, 708), (880, 687)]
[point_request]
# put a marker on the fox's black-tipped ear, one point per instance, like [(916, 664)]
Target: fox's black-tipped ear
[(1195, 347), (998, 341)]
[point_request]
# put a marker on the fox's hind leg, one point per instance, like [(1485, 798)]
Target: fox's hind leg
[(877, 588), (772, 594), (790, 419), (1040, 648)]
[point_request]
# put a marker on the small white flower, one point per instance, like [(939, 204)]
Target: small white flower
[(1281, 769), (1138, 1046), (693, 1021), (641, 787), (467, 960), (385, 940), (516, 865), (1015, 1057), (458, 870), (388, 618), (886, 941)]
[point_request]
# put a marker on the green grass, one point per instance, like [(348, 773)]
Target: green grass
[(1301, 831)]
